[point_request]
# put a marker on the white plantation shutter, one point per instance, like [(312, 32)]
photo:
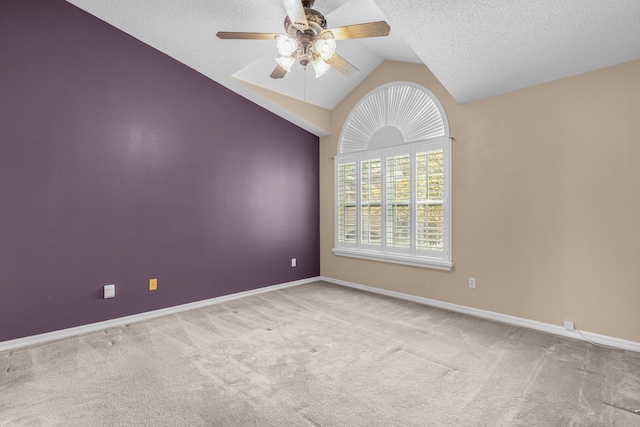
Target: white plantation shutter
[(347, 193), (398, 202), (429, 199), (370, 198), (393, 179)]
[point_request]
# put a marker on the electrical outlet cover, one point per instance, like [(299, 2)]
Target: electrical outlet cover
[(109, 291), (569, 325)]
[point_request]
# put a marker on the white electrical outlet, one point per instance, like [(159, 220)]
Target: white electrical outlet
[(293, 262), (109, 291), (569, 325), (472, 282)]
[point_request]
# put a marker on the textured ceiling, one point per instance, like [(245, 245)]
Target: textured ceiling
[(476, 48)]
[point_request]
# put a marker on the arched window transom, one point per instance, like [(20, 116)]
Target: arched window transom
[(393, 114)]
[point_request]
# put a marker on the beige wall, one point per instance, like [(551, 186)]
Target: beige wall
[(546, 202)]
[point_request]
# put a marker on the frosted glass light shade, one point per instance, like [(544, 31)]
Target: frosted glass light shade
[(320, 66), (286, 45), (286, 62), (326, 48)]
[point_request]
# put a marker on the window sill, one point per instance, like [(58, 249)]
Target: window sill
[(437, 264)]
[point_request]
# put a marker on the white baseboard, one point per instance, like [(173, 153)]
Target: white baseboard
[(99, 326), (490, 315), (498, 317)]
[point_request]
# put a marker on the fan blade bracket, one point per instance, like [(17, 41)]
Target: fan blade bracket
[(295, 12), (358, 31), (302, 26)]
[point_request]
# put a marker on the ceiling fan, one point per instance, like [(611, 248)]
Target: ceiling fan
[(307, 39)]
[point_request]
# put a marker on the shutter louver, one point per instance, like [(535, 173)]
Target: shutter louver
[(347, 216), (398, 198), (371, 194), (429, 198)]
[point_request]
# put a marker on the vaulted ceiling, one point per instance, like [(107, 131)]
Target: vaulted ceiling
[(477, 49)]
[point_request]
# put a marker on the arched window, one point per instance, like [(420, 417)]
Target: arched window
[(393, 179)]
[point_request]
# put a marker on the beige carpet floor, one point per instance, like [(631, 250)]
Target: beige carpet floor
[(319, 355)]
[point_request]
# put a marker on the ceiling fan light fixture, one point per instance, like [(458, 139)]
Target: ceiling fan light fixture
[(286, 62), (308, 40), (320, 66), (286, 45), (326, 47)]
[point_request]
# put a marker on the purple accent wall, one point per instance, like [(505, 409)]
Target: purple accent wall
[(119, 164)]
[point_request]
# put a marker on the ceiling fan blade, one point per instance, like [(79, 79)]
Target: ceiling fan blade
[(357, 31), (342, 65), (295, 12), (279, 72), (246, 36)]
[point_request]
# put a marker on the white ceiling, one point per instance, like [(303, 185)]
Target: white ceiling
[(476, 48)]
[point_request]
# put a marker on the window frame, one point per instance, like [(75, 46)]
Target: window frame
[(384, 251)]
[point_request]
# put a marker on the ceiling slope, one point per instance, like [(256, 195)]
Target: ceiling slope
[(476, 49)]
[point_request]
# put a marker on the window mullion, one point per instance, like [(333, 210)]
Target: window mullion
[(359, 203), (413, 201), (446, 192), (383, 203), (339, 191)]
